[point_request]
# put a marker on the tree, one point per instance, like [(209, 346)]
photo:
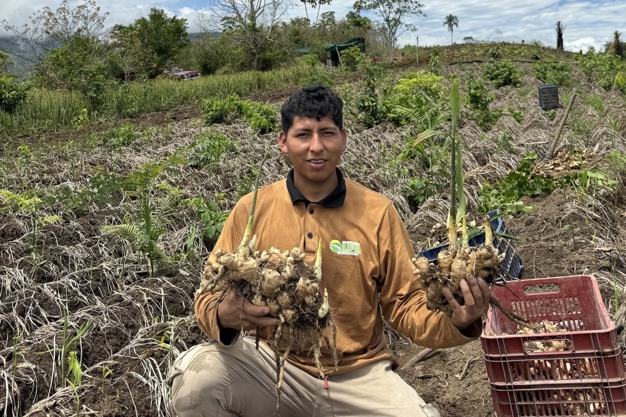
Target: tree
[(392, 13), (50, 28), (559, 35), (451, 21), (156, 39), (251, 23), (68, 49), (616, 46), (316, 4), (78, 65)]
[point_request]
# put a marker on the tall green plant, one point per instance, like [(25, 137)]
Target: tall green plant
[(70, 365), (457, 176), (144, 234)]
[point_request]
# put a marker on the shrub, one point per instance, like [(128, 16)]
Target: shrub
[(11, 93), (219, 111), (418, 98), (207, 149), (261, 117), (351, 58), (502, 73), (553, 72)]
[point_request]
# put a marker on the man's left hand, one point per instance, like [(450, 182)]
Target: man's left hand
[(476, 295)]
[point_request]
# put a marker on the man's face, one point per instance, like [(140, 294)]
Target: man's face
[(314, 148)]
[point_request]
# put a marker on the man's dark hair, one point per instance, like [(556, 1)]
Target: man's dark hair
[(315, 102)]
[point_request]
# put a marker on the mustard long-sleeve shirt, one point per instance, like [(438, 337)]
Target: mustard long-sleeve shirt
[(366, 268)]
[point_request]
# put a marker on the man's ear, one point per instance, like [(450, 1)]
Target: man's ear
[(344, 140), (282, 143)]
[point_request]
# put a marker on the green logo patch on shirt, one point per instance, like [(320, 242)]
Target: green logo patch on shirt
[(345, 248)]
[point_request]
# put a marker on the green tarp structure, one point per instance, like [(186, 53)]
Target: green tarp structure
[(335, 49)]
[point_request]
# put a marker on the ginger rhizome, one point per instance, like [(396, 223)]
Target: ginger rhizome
[(282, 281), (452, 265)]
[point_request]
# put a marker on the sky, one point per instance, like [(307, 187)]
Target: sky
[(587, 23)]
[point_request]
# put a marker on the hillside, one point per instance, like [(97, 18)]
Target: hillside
[(22, 57), (66, 286)]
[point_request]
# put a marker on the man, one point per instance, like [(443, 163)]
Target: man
[(366, 271)]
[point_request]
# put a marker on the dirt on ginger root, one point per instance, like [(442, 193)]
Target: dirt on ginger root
[(282, 281), (451, 267)]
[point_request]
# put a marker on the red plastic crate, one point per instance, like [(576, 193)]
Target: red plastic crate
[(582, 399), (563, 367), (572, 301), (587, 378)]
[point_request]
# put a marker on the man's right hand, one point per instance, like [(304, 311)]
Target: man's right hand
[(235, 312)]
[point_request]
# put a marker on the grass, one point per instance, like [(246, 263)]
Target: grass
[(47, 111)]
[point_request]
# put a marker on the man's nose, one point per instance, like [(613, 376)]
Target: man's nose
[(316, 144)]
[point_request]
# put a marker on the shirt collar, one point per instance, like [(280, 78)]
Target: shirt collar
[(333, 200)]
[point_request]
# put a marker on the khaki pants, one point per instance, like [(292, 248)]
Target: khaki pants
[(239, 380)]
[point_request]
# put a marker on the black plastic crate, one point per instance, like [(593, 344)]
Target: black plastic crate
[(512, 265), (548, 96)]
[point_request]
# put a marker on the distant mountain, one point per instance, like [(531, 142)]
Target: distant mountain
[(22, 56)]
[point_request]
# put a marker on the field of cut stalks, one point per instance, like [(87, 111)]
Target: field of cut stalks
[(104, 232)]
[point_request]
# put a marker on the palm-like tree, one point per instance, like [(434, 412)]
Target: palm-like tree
[(451, 21), (616, 46), (559, 35)]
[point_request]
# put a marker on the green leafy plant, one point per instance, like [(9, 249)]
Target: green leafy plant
[(619, 81), (29, 205), (602, 68), (351, 58), (12, 94), (208, 148), (477, 96), (434, 63), (515, 114), (70, 365), (507, 193), (124, 135), (24, 155), (261, 117), (211, 218), (478, 100), (429, 155), (504, 141), (370, 102), (143, 234), (553, 72), (220, 111), (418, 98), (80, 120), (74, 371), (502, 73)]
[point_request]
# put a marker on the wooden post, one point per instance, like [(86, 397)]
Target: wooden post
[(550, 153)]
